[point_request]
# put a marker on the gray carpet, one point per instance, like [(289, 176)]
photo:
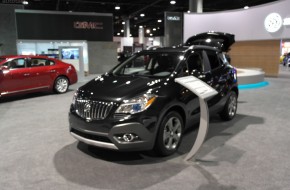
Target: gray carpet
[(250, 152)]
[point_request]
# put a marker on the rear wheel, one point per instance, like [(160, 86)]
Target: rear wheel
[(170, 134), (61, 85), (230, 109)]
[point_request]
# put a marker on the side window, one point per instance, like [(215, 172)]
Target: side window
[(213, 59), (16, 63), (195, 62), (36, 62), (49, 62)]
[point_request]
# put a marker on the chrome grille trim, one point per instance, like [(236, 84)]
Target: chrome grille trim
[(93, 110), (95, 143)]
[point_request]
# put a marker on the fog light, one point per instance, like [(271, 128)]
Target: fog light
[(128, 137)]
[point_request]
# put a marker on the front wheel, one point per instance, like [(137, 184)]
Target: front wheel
[(169, 134), (61, 85), (230, 108)]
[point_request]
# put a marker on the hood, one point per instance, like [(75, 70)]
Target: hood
[(116, 88), (221, 40)]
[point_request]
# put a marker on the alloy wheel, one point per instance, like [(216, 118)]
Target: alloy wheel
[(232, 105), (172, 133), (61, 85)]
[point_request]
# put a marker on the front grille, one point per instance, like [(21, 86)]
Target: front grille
[(93, 110)]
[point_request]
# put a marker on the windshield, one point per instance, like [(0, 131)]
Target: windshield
[(155, 64)]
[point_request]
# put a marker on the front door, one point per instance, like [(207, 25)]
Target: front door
[(16, 78)]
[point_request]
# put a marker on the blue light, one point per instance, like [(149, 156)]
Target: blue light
[(136, 107), (252, 86)]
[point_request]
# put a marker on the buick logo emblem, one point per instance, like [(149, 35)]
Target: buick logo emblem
[(87, 107), (87, 110)]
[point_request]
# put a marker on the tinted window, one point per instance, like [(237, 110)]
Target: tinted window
[(49, 62), (16, 63), (213, 59), (37, 62), (195, 62)]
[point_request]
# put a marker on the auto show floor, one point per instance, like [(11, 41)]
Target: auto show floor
[(250, 152)]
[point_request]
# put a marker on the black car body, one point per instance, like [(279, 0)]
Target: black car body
[(138, 106)]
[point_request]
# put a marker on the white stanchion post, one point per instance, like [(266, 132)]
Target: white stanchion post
[(204, 92)]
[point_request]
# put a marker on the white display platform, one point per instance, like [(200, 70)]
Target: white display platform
[(250, 75)]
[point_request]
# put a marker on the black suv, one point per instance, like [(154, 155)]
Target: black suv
[(138, 106)]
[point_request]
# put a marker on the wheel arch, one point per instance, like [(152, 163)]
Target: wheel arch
[(179, 110), (236, 90), (62, 76)]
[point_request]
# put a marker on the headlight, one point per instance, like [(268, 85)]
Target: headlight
[(74, 98), (136, 104)]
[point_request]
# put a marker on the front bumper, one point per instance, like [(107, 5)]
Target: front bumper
[(110, 135)]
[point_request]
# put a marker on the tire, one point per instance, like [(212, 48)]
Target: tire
[(169, 134), (230, 108), (61, 85)]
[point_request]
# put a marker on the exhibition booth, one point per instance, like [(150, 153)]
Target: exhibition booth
[(73, 52), (70, 36), (260, 32), (39, 153)]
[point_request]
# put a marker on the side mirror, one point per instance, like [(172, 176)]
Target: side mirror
[(4, 67)]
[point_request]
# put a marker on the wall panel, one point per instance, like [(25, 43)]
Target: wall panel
[(257, 54)]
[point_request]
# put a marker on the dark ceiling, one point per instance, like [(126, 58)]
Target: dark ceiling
[(153, 10)]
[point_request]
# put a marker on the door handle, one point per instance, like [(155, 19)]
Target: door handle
[(52, 71), (26, 74)]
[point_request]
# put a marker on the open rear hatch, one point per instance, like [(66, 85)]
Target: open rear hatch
[(220, 40)]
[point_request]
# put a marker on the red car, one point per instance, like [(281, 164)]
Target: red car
[(21, 74)]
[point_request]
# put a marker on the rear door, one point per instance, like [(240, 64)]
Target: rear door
[(41, 71), (216, 77), (207, 66)]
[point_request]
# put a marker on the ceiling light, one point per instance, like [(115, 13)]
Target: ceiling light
[(159, 20), (118, 34), (147, 31), (25, 2), (117, 7), (140, 26), (246, 7), (154, 29), (123, 22), (151, 34), (172, 2), (188, 11), (122, 30), (142, 15)]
